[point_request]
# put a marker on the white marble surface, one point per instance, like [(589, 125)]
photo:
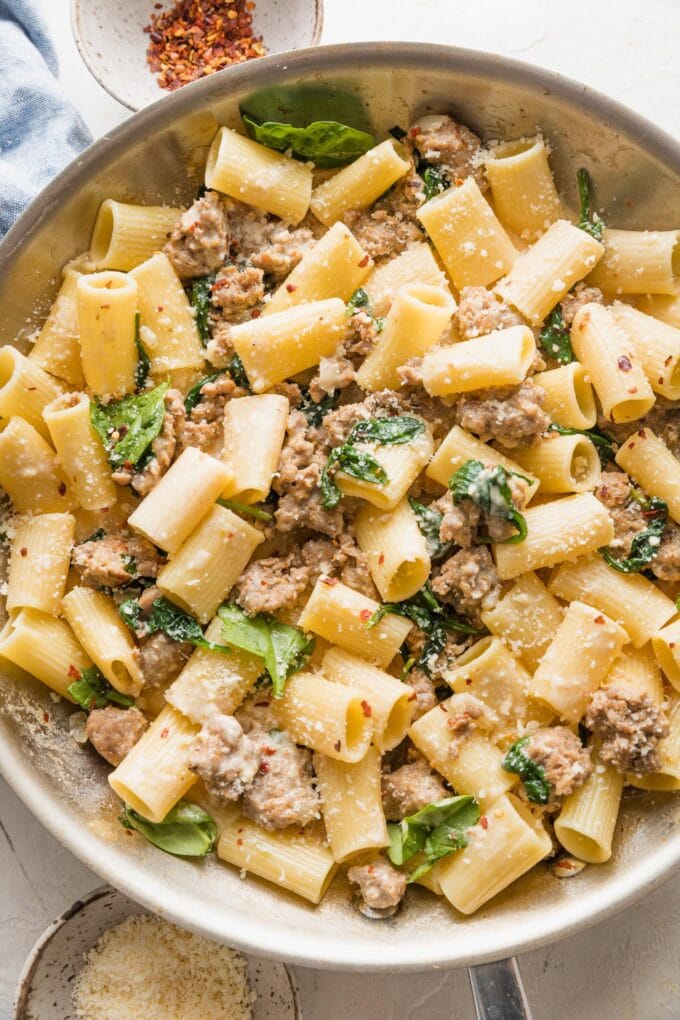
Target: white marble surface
[(624, 969)]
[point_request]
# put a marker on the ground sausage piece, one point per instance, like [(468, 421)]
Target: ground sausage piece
[(424, 691), (271, 584), (337, 424), (113, 732), (362, 335), (114, 560), (481, 312), (297, 481), (389, 226), (628, 516), (236, 289), (198, 245), (224, 757), (409, 789), (462, 720), (381, 885), (614, 489), (512, 415), (565, 761), (160, 659), (204, 426), (630, 725), (283, 791), (581, 295), (459, 522), (468, 580), (457, 150), (334, 373), (283, 252), (162, 448)]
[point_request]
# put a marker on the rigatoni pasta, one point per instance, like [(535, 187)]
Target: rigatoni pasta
[(40, 557), (351, 804), (524, 193), (25, 389), (499, 359), (638, 262), (358, 185), (125, 235), (568, 396), (107, 311), (29, 471), (396, 550), (80, 451), (254, 429), (104, 637)]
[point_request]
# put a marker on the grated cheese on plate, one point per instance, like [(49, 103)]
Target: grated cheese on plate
[(146, 967)]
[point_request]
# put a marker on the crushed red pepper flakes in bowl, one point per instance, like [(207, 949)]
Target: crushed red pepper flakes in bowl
[(195, 38)]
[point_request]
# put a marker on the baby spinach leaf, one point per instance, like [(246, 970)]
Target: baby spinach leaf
[(434, 181), (326, 142), (437, 831), (238, 373), (587, 221), (360, 301), (186, 831), (143, 360), (245, 508), (387, 431), (555, 337), (602, 442), (127, 427), (429, 522), (283, 649), (488, 489), (93, 690), (315, 411), (200, 298), (646, 543), (194, 397), (530, 772), (168, 618)]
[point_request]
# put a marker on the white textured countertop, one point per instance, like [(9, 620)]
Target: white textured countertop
[(626, 968)]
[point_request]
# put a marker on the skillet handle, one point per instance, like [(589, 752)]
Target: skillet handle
[(498, 991)]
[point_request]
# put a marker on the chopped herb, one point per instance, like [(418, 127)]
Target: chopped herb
[(589, 221), (283, 649), (434, 181), (130, 565), (200, 295), (555, 337), (315, 411), (238, 373), (429, 616), (128, 427), (186, 831), (247, 509), (488, 489), (429, 522), (143, 360), (96, 536), (397, 132), (645, 545), (168, 618), (326, 142), (437, 831), (601, 441), (530, 772), (194, 397), (93, 690)]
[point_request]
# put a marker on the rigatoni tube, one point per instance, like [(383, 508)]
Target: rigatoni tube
[(638, 262), (526, 618), (568, 396), (585, 825), (458, 447), (326, 716), (125, 235), (657, 346), (498, 359), (415, 265), (40, 557), (647, 459), (351, 804), (254, 430), (80, 451), (401, 463), (25, 389), (522, 186), (29, 472), (107, 306), (396, 549), (562, 463), (45, 647), (102, 633), (359, 184), (168, 326)]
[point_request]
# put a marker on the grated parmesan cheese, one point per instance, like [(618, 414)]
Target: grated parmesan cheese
[(146, 967)]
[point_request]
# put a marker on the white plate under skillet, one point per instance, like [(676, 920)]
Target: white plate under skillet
[(44, 988)]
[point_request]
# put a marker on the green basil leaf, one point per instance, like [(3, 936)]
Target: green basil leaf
[(134, 421), (200, 298), (93, 690), (315, 411), (169, 619), (283, 649), (143, 360), (645, 545), (429, 523), (437, 830), (555, 337), (530, 772), (585, 191), (193, 397), (186, 831), (245, 508), (434, 181), (600, 440), (387, 431), (488, 489), (326, 142), (238, 373)]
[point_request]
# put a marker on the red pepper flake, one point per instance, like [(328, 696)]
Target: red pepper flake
[(668, 360), (337, 745), (366, 709), (414, 132), (23, 551), (633, 389), (671, 644), (160, 308), (365, 615), (239, 842), (599, 619), (264, 767), (660, 380), (62, 489), (364, 262), (624, 363), (195, 38), (256, 313), (290, 287), (73, 672), (641, 433), (46, 716), (269, 751), (442, 706), (484, 822), (329, 581), (165, 732), (413, 697), (381, 559)]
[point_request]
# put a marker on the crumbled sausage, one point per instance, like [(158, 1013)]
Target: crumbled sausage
[(237, 289), (481, 312), (462, 720), (409, 789), (163, 448), (270, 584), (297, 481), (663, 420), (113, 732), (581, 295), (384, 404), (198, 244), (224, 757), (629, 518), (468, 580), (459, 522), (381, 885), (389, 226), (630, 726), (512, 415), (114, 560), (160, 659), (565, 761), (282, 792), (443, 142), (334, 373), (204, 425), (424, 689), (283, 252), (362, 335)]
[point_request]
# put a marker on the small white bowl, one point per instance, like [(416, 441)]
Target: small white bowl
[(110, 37), (45, 984)]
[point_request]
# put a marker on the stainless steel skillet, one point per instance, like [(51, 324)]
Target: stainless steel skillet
[(637, 171)]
